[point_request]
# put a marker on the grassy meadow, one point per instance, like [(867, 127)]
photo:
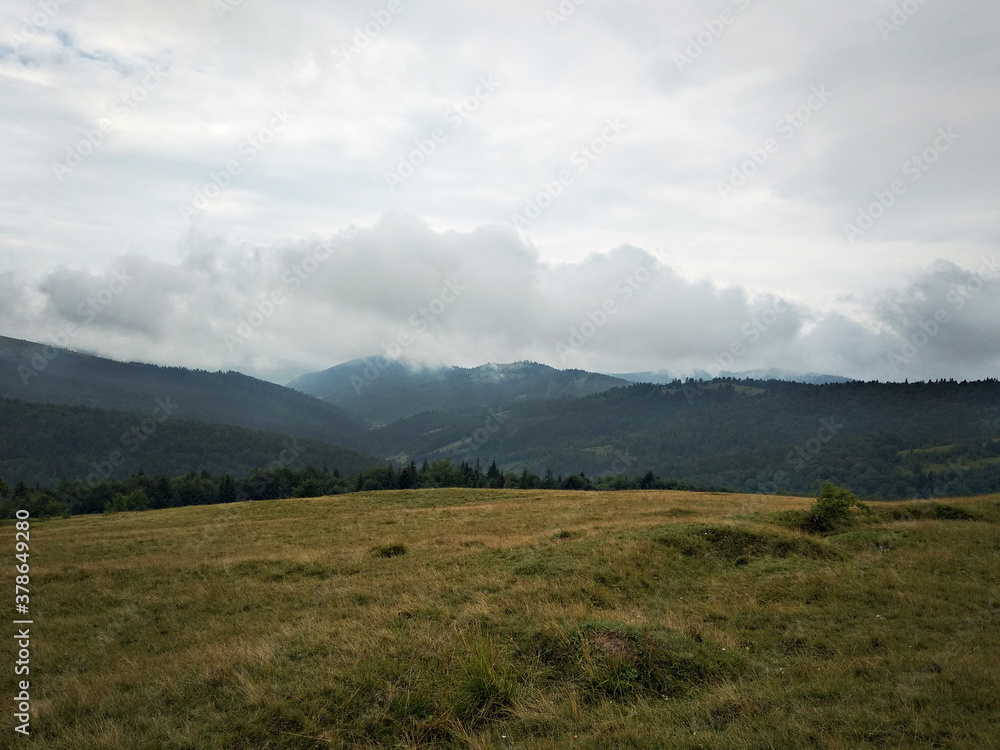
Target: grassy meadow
[(463, 618)]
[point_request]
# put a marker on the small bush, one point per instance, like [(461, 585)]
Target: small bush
[(393, 550), (833, 509)]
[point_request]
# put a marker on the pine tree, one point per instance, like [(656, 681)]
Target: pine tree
[(549, 482), (493, 477), (227, 489)]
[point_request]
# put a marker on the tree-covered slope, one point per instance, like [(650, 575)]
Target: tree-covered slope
[(44, 443), (382, 390), (39, 374), (748, 435)]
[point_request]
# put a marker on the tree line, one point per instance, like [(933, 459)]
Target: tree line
[(142, 491)]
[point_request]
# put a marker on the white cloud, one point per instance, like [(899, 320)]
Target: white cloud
[(656, 186)]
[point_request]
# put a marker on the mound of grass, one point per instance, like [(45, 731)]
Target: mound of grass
[(740, 544), (922, 511)]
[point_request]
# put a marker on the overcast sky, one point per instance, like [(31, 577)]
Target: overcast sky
[(617, 186)]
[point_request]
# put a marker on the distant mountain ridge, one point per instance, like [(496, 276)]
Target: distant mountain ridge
[(382, 390), (42, 374), (888, 440), (664, 377)]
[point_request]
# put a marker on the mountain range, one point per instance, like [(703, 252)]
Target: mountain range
[(382, 390), (889, 440)]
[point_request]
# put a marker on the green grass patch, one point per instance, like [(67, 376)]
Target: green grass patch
[(284, 625)]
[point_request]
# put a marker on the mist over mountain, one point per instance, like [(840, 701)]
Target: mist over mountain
[(383, 390)]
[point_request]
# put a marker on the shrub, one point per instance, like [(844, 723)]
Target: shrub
[(833, 509)]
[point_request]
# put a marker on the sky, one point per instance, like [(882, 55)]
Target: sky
[(614, 186)]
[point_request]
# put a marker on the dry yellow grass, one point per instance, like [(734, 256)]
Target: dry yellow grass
[(528, 619)]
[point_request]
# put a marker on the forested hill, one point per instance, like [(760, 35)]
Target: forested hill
[(382, 390), (40, 374), (43, 444), (881, 439)]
